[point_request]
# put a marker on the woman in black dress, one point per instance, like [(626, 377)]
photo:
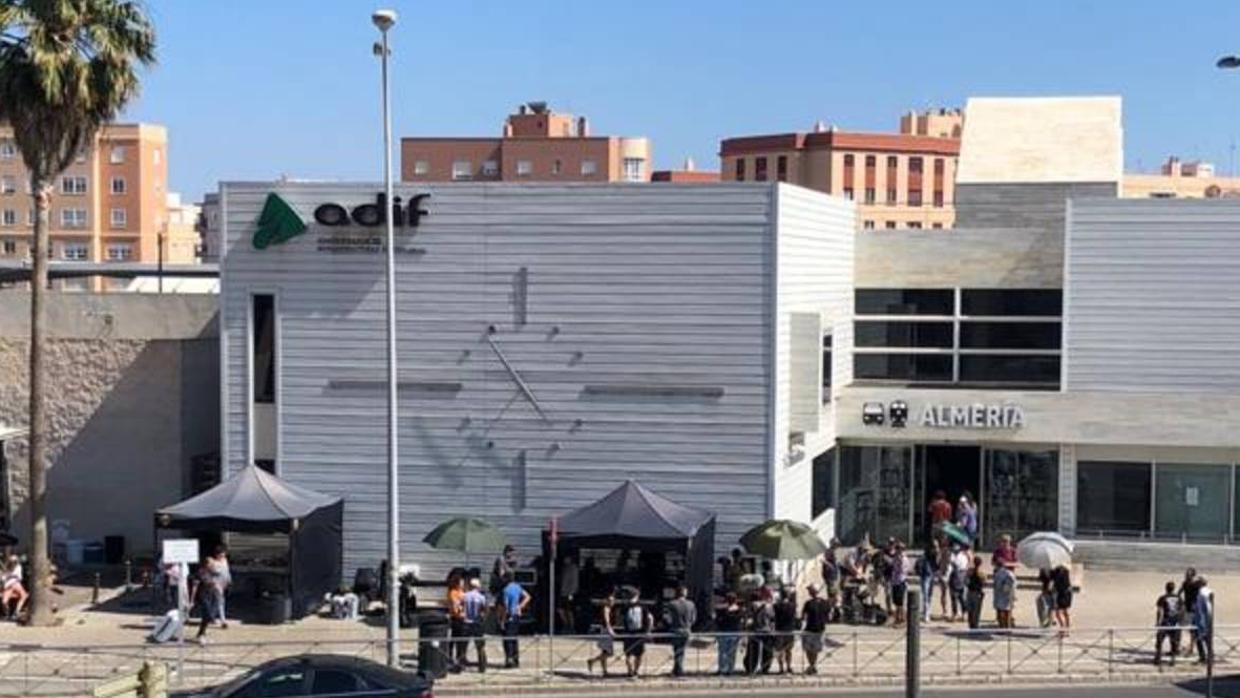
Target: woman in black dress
[(1061, 582)]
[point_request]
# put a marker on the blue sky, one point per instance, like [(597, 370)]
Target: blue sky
[(251, 90)]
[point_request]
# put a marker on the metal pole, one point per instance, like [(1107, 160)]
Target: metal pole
[(393, 580), (1210, 647), (912, 645), (160, 243)]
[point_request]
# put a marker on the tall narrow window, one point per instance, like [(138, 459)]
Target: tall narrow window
[(849, 173), (893, 173), (781, 168), (914, 181), (759, 169), (826, 368), (740, 169), (939, 168), (263, 374)]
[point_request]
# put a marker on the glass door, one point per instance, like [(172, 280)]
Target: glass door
[(874, 493), (1021, 494)]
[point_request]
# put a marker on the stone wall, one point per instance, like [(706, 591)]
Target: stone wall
[(133, 386)]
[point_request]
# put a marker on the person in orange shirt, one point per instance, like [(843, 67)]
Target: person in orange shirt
[(456, 621)]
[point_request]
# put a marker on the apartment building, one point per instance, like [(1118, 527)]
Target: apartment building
[(537, 145), (1177, 179), (899, 180), (110, 205)]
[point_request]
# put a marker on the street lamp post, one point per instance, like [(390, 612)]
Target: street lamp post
[(385, 20)]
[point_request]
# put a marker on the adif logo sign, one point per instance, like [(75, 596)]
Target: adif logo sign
[(279, 222)]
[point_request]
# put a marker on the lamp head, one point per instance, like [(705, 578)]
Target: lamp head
[(384, 19)]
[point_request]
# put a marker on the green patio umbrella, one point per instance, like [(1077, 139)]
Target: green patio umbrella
[(467, 535), (780, 539), (956, 533)]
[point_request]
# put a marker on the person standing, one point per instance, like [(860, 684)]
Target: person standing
[(475, 606), (1189, 590), (898, 581), (966, 516), (607, 639), (786, 626), (832, 577), (681, 617), (515, 601), (1005, 595), (927, 575), (975, 589), (205, 599), (1168, 616), (570, 585), (938, 513), (503, 569), (728, 624), (758, 651), (1061, 584), (814, 615), (217, 577), (1203, 617), (456, 622), (637, 625), (13, 594), (958, 568)]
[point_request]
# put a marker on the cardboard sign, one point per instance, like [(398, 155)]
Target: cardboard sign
[(181, 550)]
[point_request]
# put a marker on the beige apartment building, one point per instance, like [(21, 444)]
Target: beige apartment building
[(1192, 179), (110, 205), (899, 180), (537, 145)]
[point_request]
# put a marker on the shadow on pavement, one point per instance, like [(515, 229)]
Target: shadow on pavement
[(1224, 686)]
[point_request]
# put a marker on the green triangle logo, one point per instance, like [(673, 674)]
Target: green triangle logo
[(277, 223)]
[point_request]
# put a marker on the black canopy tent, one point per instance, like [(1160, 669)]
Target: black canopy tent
[(632, 517), (254, 501)]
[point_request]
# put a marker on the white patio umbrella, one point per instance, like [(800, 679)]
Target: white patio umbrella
[(1045, 551)]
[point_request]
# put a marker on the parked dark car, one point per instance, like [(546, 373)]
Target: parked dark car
[(311, 675)]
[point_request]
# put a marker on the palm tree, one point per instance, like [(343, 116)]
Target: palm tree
[(66, 68)]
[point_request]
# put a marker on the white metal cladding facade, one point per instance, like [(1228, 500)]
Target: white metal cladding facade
[(648, 342), (1152, 296)]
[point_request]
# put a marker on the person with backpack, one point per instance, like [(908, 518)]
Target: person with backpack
[(1169, 613), (637, 624)]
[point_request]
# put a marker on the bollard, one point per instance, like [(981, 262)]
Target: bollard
[(94, 594), (912, 646)]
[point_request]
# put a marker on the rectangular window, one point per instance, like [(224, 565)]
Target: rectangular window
[(30, 216), (893, 174), (895, 301), (589, 168), (119, 252), (1009, 368), (740, 169), (157, 156), (759, 169), (10, 247), (119, 218), (1112, 497), (1192, 501), (849, 175), (874, 493), (1022, 492), (891, 197), (1010, 335), (870, 195), (117, 155), (868, 225), (914, 181), (263, 376), (890, 225), (557, 166), (421, 168), (8, 184), (848, 193), (823, 484), (930, 368), (75, 251), (914, 225), (902, 333), (118, 185), (10, 218), (73, 218), (937, 226), (525, 168), (1012, 302), (826, 368), (781, 168), (634, 169), (8, 149), (72, 185), (938, 199), (462, 169), (490, 168)]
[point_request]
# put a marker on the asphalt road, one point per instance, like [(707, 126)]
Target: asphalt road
[(1194, 689)]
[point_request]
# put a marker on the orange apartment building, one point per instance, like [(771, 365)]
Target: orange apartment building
[(537, 145), (899, 180), (110, 205)]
